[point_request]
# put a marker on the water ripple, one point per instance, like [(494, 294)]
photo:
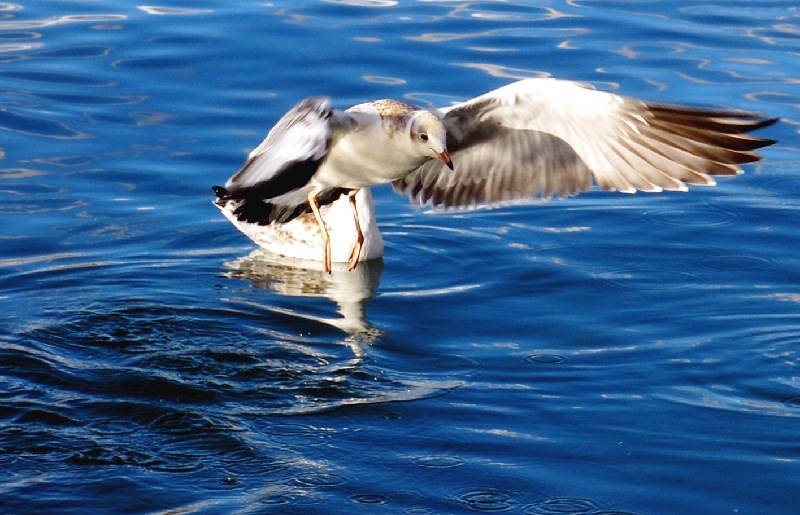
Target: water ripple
[(562, 505), (570, 506), (438, 462), (369, 499), (487, 500), (364, 3), (172, 11), (113, 427), (716, 398), (691, 217), (59, 20), (651, 279), (735, 262), (23, 122), (545, 359), (287, 375), (320, 479), (63, 79)]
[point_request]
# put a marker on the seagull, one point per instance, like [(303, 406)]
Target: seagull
[(535, 138)]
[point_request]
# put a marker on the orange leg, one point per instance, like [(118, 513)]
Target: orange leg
[(326, 255), (355, 250)]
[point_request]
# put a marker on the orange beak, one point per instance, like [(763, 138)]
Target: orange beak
[(445, 158)]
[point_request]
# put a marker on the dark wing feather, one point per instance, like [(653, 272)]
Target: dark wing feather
[(262, 212), (289, 156), (545, 138), (532, 164), (272, 185)]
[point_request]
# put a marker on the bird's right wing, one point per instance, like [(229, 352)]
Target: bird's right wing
[(289, 156)]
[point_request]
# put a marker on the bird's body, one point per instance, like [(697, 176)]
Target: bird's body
[(301, 238), (368, 147), (532, 138), (315, 153)]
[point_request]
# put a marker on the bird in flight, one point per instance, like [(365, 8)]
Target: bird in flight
[(304, 191)]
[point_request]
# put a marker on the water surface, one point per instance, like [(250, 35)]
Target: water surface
[(603, 354)]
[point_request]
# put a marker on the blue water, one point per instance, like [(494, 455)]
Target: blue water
[(602, 354)]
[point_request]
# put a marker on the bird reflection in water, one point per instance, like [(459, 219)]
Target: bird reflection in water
[(350, 291)]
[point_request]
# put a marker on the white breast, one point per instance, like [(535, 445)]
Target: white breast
[(366, 152)]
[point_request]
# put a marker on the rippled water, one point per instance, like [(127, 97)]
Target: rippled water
[(602, 354)]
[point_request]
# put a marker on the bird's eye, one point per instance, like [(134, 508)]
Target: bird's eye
[(423, 137)]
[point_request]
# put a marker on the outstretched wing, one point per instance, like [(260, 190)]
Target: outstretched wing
[(288, 157), (274, 181), (546, 137)]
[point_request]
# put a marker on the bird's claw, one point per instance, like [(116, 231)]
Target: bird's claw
[(355, 254)]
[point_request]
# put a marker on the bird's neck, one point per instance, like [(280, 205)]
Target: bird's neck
[(368, 157)]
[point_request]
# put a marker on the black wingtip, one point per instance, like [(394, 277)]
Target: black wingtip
[(221, 192), (760, 122), (768, 122)]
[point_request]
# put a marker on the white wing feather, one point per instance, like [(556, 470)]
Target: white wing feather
[(547, 137), (301, 136)]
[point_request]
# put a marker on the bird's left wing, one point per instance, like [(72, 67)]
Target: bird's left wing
[(546, 137)]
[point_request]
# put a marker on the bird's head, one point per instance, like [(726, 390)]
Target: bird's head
[(429, 136)]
